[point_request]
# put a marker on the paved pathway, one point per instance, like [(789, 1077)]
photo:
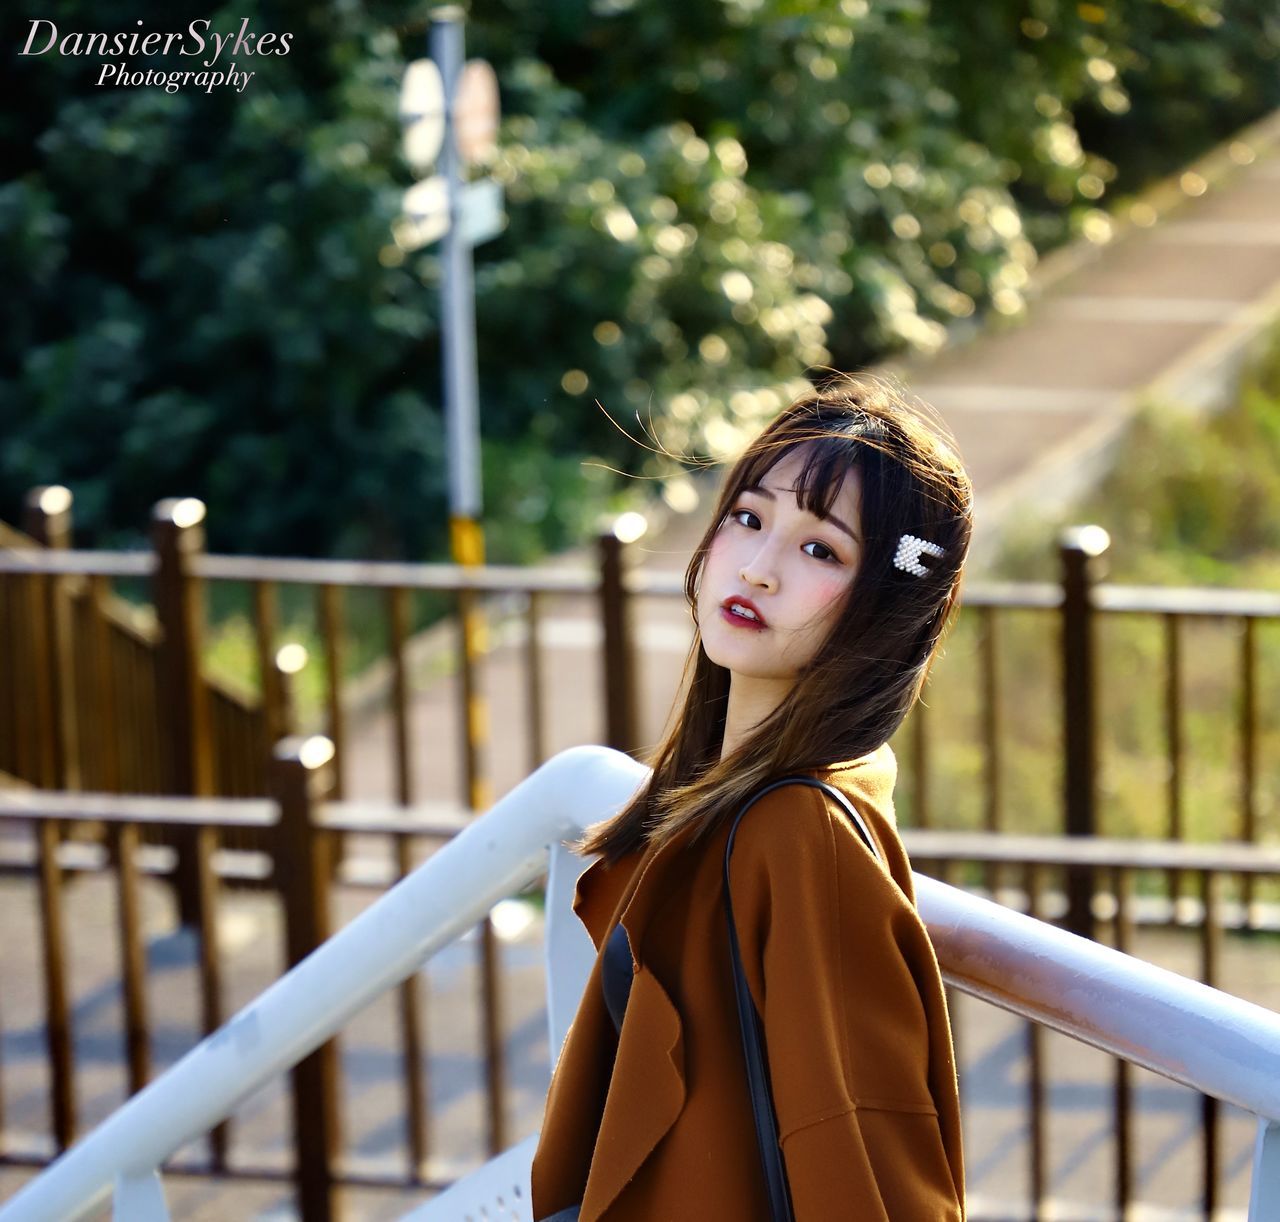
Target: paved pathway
[(1158, 313), (1034, 407)]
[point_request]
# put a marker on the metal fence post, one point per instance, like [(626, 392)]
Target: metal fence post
[(300, 778), (1078, 548), (177, 534), (619, 645)]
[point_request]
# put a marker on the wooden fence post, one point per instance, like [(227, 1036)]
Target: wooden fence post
[(47, 519), (1078, 549), (11, 758), (177, 534), (300, 778), (287, 664), (53, 945), (621, 721)]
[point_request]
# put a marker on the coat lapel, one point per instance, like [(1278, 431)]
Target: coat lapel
[(647, 1089), (628, 891), (646, 1095)]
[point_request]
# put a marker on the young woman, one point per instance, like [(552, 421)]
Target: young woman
[(820, 592)]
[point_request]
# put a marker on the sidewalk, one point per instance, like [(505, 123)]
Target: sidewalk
[(1161, 313)]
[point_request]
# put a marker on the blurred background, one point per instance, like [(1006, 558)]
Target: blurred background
[(204, 297)]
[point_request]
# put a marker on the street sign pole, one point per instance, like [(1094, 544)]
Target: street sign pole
[(466, 537), (461, 395), (458, 322)]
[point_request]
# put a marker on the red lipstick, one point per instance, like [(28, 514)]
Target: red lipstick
[(729, 615)]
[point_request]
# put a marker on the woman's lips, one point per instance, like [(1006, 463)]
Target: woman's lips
[(739, 621)]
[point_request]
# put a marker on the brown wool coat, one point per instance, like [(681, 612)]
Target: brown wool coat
[(855, 1020)]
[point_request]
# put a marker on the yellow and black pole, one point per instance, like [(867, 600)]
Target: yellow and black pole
[(461, 395), (466, 537), (467, 546)]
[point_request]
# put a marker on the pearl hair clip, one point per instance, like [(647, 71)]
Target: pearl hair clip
[(907, 557)]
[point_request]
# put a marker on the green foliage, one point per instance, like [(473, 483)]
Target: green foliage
[(707, 202), (203, 309)]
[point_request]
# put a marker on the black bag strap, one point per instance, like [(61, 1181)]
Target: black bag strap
[(753, 1050), (615, 975)]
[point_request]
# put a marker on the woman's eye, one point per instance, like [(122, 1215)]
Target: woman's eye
[(823, 551), (739, 514)]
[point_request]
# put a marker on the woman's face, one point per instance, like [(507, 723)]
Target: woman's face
[(786, 569)]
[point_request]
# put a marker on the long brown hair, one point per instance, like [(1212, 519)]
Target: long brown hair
[(868, 673)]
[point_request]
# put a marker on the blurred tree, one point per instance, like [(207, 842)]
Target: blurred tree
[(198, 305), (706, 203)]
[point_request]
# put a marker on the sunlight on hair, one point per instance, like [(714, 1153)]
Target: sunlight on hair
[(660, 449)]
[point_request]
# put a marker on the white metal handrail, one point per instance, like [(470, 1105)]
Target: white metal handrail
[(1201, 1037), (497, 855), (1180, 1028)]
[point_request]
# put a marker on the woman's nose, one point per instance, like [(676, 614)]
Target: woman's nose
[(760, 571)]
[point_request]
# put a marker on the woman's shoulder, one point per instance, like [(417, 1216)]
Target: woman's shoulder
[(870, 778), (797, 829), (867, 784)]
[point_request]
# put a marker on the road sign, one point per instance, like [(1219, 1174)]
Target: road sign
[(426, 212), (411, 234), (475, 112), (426, 199), (422, 111), (480, 215), (421, 91)]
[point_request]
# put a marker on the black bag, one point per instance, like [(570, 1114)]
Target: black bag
[(753, 1051)]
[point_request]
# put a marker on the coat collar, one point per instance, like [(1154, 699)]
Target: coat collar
[(609, 895), (606, 894)]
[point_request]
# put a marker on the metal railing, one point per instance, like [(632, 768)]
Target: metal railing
[(1034, 875), (289, 1024), (1220, 1045), (1070, 615), (1070, 619), (298, 826)]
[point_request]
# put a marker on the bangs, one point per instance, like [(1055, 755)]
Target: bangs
[(827, 458)]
